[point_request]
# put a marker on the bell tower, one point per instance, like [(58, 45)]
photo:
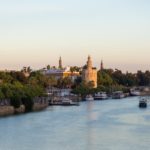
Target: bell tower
[(60, 63), (102, 65)]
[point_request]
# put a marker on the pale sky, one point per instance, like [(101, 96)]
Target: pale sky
[(36, 32)]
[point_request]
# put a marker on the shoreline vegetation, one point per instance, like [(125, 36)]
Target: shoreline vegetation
[(26, 90), (20, 93), (109, 81)]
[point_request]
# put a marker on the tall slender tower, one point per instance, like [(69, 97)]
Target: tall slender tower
[(60, 63), (89, 63), (102, 65)]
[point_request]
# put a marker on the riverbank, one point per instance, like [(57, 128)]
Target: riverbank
[(10, 110)]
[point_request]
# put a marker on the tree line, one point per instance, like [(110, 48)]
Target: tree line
[(19, 89), (110, 80)]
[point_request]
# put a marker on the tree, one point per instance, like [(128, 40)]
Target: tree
[(143, 78), (104, 79), (75, 69), (48, 67), (64, 82), (5, 77)]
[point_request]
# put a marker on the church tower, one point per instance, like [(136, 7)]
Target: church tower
[(102, 65), (60, 63)]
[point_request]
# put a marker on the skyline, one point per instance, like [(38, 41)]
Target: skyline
[(36, 32)]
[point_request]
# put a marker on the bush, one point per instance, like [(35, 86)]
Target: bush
[(28, 102), (16, 102)]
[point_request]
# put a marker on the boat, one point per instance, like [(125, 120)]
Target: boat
[(143, 103), (135, 93), (100, 96), (89, 98), (118, 95), (69, 102)]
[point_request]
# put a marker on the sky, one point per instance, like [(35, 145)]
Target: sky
[(37, 32)]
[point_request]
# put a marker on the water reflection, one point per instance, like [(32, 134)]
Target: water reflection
[(91, 126), (91, 118)]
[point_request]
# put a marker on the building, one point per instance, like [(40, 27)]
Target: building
[(89, 74), (102, 66), (61, 72), (60, 63)]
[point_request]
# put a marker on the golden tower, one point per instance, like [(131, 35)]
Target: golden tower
[(89, 73)]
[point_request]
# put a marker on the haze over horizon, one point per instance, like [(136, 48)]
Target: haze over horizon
[(36, 32)]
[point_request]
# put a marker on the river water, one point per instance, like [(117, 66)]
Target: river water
[(97, 125)]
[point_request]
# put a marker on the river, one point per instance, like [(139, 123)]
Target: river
[(97, 125)]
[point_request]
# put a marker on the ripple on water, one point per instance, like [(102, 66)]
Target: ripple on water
[(98, 125)]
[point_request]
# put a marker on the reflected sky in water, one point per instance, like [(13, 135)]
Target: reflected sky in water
[(98, 125)]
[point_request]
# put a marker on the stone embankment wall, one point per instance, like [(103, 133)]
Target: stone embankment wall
[(20, 110), (6, 110), (10, 110), (38, 107)]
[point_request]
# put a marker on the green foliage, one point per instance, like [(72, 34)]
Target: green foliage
[(18, 76), (143, 78), (48, 67), (74, 69), (16, 102), (2, 96), (64, 82), (28, 102), (20, 90), (104, 79), (84, 88), (37, 78), (5, 77)]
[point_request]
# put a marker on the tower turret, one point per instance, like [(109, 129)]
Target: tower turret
[(89, 63)]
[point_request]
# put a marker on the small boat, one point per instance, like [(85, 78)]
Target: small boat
[(89, 98), (143, 103), (118, 95), (69, 102), (135, 93), (100, 96)]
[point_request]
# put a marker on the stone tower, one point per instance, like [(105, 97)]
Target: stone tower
[(89, 73), (89, 63), (60, 63)]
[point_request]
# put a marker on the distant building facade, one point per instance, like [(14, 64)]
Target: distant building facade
[(60, 72), (89, 74)]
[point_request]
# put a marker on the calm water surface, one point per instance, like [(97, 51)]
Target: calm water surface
[(98, 125)]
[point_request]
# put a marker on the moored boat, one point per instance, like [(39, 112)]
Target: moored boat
[(135, 93), (89, 98), (118, 95), (100, 96), (68, 102)]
